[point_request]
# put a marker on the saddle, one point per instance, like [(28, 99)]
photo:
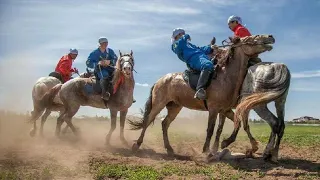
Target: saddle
[(93, 87), (219, 59), (191, 77)]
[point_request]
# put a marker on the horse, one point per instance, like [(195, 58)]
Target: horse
[(265, 82), (222, 92), (73, 94), (42, 86)]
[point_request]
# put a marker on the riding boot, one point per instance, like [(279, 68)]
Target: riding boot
[(104, 83), (202, 84)]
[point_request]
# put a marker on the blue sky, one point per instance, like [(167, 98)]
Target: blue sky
[(34, 34)]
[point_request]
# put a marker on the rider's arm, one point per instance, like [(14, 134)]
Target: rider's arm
[(114, 57), (92, 60), (206, 49), (185, 37)]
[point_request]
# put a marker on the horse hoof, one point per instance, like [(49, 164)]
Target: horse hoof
[(170, 153), (32, 133), (135, 147)]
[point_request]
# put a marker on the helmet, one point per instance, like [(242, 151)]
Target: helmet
[(103, 40), (73, 51), (235, 18)]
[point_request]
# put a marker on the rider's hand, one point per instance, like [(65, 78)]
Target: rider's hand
[(75, 70), (214, 47), (104, 62)]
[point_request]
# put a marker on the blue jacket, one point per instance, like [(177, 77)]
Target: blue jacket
[(185, 50), (96, 56)]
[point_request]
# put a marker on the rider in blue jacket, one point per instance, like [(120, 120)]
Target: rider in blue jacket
[(195, 57), (103, 60)]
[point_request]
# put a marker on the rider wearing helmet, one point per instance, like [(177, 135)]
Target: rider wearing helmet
[(195, 57), (103, 60), (64, 69), (235, 25)]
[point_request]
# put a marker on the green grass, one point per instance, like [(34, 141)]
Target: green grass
[(102, 170), (293, 135)]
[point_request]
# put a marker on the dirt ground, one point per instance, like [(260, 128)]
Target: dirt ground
[(68, 157)]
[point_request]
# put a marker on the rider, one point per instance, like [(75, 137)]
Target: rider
[(64, 68), (195, 57), (103, 60), (235, 25)]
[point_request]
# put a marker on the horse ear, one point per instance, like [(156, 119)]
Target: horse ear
[(120, 53), (131, 53)]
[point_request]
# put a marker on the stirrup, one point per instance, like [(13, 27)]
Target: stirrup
[(202, 96), (105, 96)]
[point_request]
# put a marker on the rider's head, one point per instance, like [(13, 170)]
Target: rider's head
[(73, 52), (103, 42), (233, 21), (177, 33)]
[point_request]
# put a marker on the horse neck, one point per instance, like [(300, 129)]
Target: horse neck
[(126, 87), (236, 71)]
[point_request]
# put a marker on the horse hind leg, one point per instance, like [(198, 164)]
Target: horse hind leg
[(43, 120), (173, 111), (35, 114), (253, 141), (272, 120), (155, 110), (280, 109)]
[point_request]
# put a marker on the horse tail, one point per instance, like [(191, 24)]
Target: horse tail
[(47, 98), (139, 124), (273, 89)]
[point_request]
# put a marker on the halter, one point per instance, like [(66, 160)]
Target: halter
[(128, 61)]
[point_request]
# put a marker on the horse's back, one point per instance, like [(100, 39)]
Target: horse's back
[(43, 85), (270, 73)]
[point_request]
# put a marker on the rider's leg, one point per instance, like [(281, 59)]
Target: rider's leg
[(103, 75), (203, 64)]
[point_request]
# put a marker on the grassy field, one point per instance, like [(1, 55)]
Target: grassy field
[(22, 157)]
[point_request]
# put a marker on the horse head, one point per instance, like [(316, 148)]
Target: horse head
[(125, 63)]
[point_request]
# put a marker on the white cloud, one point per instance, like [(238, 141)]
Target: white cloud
[(143, 84), (306, 74)]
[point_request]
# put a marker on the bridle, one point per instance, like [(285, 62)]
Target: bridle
[(130, 60)]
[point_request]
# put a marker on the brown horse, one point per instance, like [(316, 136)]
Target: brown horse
[(172, 92), (72, 95)]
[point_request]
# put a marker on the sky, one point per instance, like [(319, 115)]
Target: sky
[(34, 34)]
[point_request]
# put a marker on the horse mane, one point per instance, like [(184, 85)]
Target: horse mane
[(117, 72), (223, 55)]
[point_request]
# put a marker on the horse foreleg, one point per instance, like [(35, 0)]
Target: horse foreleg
[(43, 120), (123, 115), (113, 114), (211, 123), (173, 111), (215, 146)]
